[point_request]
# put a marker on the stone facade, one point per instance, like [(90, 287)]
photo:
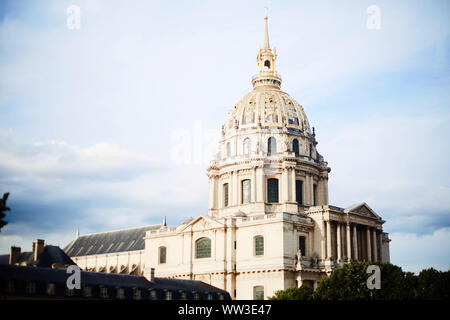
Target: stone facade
[(269, 225)]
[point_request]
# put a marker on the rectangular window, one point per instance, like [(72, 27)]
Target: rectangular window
[(11, 287), (120, 293), (301, 245), (259, 246), (137, 294), (31, 287), (104, 292), (246, 191), (272, 190), (299, 191), (87, 291), (51, 289), (258, 293), (225, 195), (169, 295)]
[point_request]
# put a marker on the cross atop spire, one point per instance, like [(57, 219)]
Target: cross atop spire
[(266, 31)]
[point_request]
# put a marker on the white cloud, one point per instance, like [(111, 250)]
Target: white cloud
[(414, 253), (390, 163)]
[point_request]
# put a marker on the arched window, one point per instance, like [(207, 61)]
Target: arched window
[(225, 195), (272, 190), (271, 145), (266, 65), (310, 150), (228, 149), (295, 147), (258, 293), (259, 245), (246, 191), (246, 146), (203, 248), (162, 254)]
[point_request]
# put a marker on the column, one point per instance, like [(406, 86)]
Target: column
[(349, 244), (284, 188), (308, 189), (235, 188), (293, 191), (369, 247), (339, 245), (374, 241), (380, 246), (325, 191), (328, 224), (211, 191), (310, 244), (253, 187), (261, 185), (355, 242)]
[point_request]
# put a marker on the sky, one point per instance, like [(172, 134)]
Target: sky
[(112, 125)]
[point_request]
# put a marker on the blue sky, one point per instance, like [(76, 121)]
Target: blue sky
[(89, 118)]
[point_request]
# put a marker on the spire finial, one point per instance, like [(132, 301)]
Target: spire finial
[(164, 224), (266, 30)]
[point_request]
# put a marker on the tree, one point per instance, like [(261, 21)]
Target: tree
[(3, 208), (350, 283), (346, 283), (302, 293), (433, 285)]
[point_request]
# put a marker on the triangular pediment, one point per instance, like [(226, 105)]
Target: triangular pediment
[(201, 223), (362, 209)]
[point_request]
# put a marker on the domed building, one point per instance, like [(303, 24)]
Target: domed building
[(269, 225)]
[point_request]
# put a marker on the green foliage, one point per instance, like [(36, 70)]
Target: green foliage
[(346, 283), (302, 293), (349, 282), (433, 285), (3, 208)]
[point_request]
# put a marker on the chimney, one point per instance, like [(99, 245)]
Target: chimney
[(149, 273), (14, 255), (38, 247)]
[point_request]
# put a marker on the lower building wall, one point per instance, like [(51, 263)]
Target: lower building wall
[(121, 262), (271, 281)]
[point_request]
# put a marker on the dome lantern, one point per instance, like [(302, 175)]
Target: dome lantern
[(266, 58)]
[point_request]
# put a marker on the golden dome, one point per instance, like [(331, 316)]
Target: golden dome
[(267, 107)]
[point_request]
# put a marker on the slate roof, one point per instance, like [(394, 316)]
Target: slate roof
[(50, 255), (41, 276), (109, 242), (53, 254), (4, 259)]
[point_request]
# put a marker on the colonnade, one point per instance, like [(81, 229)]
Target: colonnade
[(351, 241)]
